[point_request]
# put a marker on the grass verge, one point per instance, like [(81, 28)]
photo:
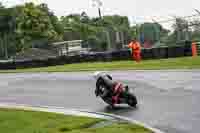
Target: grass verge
[(19, 121), (171, 63)]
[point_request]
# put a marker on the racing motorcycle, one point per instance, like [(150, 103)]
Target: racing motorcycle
[(125, 97)]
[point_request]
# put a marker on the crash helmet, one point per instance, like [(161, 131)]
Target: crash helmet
[(98, 74)]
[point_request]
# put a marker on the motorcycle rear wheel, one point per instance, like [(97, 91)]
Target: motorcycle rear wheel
[(132, 100)]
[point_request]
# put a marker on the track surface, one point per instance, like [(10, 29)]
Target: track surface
[(168, 100)]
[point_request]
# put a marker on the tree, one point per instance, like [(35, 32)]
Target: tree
[(181, 32), (195, 35), (54, 20), (33, 23), (181, 29), (104, 29), (1, 5), (117, 21), (85, 18), (79, 25), (7, 26)]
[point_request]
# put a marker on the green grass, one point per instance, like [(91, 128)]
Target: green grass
[(172, 63), (19, 121), (116, 128)]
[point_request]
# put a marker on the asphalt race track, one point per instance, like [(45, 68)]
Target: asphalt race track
[(168, 100)]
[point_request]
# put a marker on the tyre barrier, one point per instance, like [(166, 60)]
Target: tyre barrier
[(153, 53)]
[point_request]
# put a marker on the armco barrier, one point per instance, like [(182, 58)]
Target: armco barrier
[(154, 53)]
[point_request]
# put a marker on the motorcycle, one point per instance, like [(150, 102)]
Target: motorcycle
[(125, 97)]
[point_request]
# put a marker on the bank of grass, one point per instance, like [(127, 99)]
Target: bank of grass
[(171, 63), (19, 121)]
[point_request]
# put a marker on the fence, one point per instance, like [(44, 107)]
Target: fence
[(154, 53)]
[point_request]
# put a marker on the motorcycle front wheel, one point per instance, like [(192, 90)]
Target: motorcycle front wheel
[(132, 100)]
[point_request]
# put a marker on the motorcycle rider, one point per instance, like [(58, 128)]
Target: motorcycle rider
[(112, 88)]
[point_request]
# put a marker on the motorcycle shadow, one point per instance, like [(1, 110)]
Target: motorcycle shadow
[(119, 109)]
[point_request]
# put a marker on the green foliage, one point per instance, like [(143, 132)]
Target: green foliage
[(180, 32), (27, 24), (196, 31), (1, 5), (30, 25), (134, 31), (7, 26), (54, 19), (119, 22), (94, 30), (33, 23)]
